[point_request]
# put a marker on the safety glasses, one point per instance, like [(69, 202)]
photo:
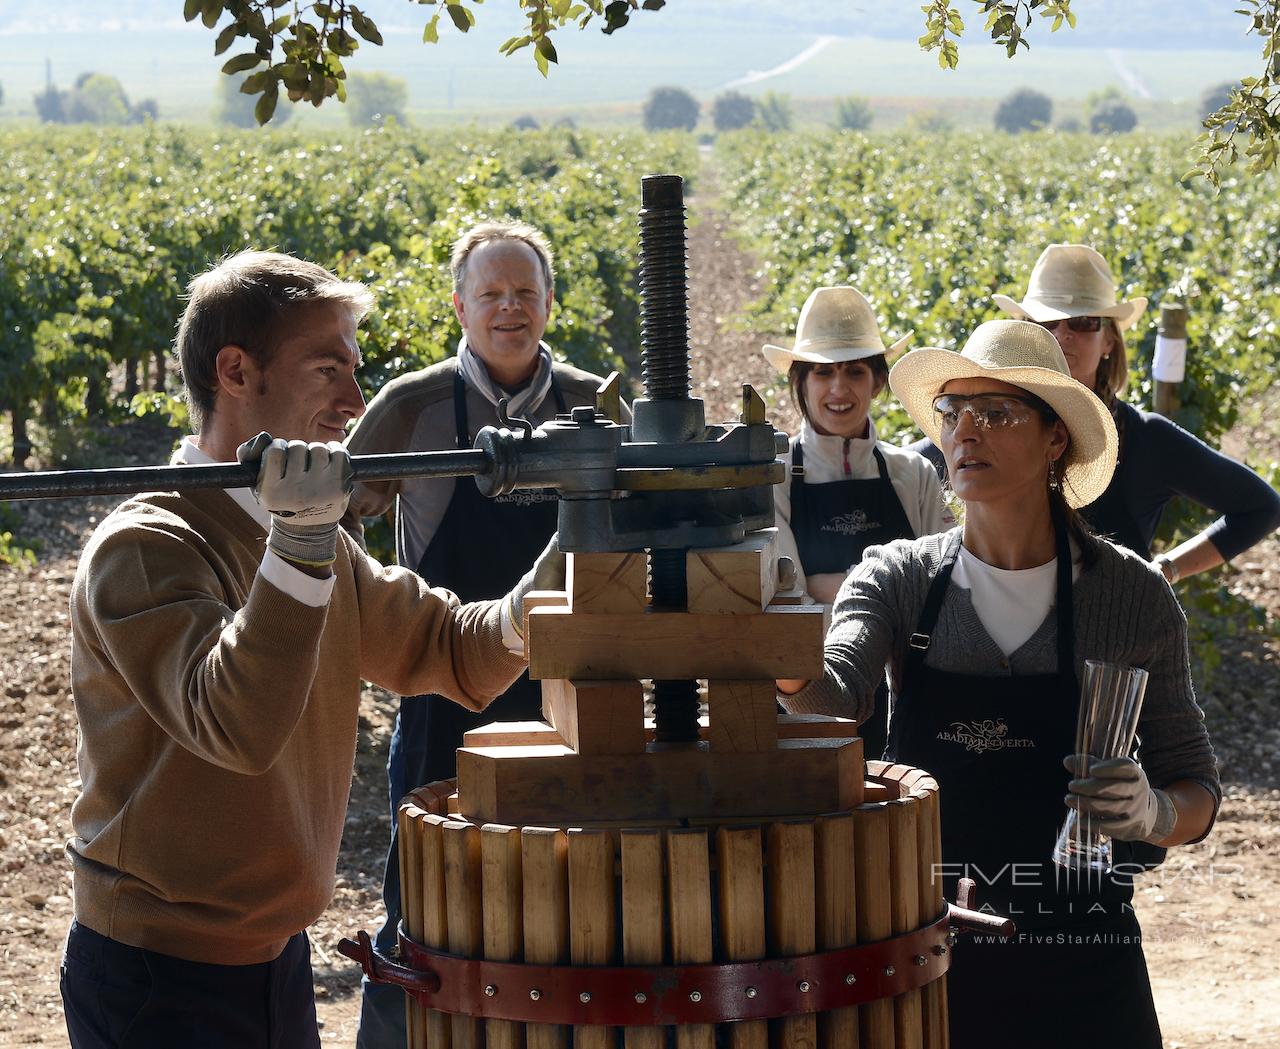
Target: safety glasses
[(1081, 325), (990, 411)]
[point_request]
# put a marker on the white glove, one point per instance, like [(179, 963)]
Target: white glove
[(547, 573), (1116, 793), (305, 488)]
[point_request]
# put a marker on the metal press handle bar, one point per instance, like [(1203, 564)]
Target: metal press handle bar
[(130, 480)]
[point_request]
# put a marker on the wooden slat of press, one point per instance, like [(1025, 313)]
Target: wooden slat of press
[(875, 914), (643, 910), (544, 859), (462, 873), (503, 917), (835, 857), (410, 852), (593, 937), (792, 915), (935, 994), (740, 860), (689, 901), (905, 909), (435, 916)]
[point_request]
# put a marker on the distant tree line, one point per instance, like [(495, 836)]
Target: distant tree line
[(674, 108), (1107, 112), (94, 98)]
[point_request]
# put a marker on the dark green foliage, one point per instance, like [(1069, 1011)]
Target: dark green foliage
[(236, 109), (525, 122), (669, 109), (732, 111), (1024, 110), (853, 114), (1214, 98)]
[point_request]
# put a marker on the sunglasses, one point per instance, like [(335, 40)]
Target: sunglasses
[(990, 411), (1083, 325)]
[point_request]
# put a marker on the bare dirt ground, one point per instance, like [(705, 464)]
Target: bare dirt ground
[(1212, 914)]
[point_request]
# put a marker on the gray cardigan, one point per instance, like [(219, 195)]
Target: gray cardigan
[(1124, 612)]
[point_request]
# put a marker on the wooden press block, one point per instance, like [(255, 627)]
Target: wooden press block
[(542, 599), (596, 717), (511, 734), (742, 715), (782, 642), (607, 582), (551, 785), (739, 578)]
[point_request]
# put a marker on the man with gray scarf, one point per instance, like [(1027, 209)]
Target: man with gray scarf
[(503, 281)]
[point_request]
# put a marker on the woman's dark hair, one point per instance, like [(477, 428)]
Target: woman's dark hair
[(800, 370)]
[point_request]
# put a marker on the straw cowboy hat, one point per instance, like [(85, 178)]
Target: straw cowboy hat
[(1072, 280), (836, 324), (1024, 355)]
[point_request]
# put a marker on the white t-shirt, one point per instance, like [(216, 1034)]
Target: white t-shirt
[(1010, 603)]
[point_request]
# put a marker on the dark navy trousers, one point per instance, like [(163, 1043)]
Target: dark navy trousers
[(121, 997)]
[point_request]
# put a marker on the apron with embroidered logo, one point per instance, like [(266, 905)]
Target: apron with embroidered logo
[(834, 523), (481, 549), (1075, 969)]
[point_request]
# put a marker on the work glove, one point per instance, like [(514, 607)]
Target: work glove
[(1115, 793), (547, 573), (305, 488)]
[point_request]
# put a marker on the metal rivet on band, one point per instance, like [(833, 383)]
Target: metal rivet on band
[(920, 959), (490, 990), (695, 996), (850, 979), (804, 986), (939, 950), (889, 970), (584, 997), (751, 992), (641, 997), (535, 995)]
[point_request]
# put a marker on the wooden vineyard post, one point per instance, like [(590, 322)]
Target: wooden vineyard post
[(545, 867), (643, 913), (689, 889), (592, 932), (742, 921), (835, 858), (875, 920), (503, 917), (791, 916)]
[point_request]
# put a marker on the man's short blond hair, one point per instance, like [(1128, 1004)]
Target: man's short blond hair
[(488, 231), (245, 300)]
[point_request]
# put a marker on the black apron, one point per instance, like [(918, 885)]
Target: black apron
[(481, 549), (834, 523), (995, 746)]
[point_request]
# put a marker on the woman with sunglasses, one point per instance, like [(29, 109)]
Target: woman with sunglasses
[(847, 491), (984, 631), (1072, 293)]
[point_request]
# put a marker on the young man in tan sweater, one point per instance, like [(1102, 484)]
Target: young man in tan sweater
[(219, 641)]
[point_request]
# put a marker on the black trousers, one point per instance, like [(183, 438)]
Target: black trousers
[(121, 997)]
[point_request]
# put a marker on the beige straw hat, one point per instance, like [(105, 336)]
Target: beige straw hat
[(836, 324), (1072, 280), (1024, 355)]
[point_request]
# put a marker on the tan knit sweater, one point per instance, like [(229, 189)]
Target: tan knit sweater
[(218, 721)]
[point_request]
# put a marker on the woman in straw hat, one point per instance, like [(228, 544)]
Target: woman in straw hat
[(1073, 294), (847, 491), (984, 630)]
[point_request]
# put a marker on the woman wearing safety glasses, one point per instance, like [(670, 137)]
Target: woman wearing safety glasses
[(1072, 293), (984, 630), (847, 491)]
